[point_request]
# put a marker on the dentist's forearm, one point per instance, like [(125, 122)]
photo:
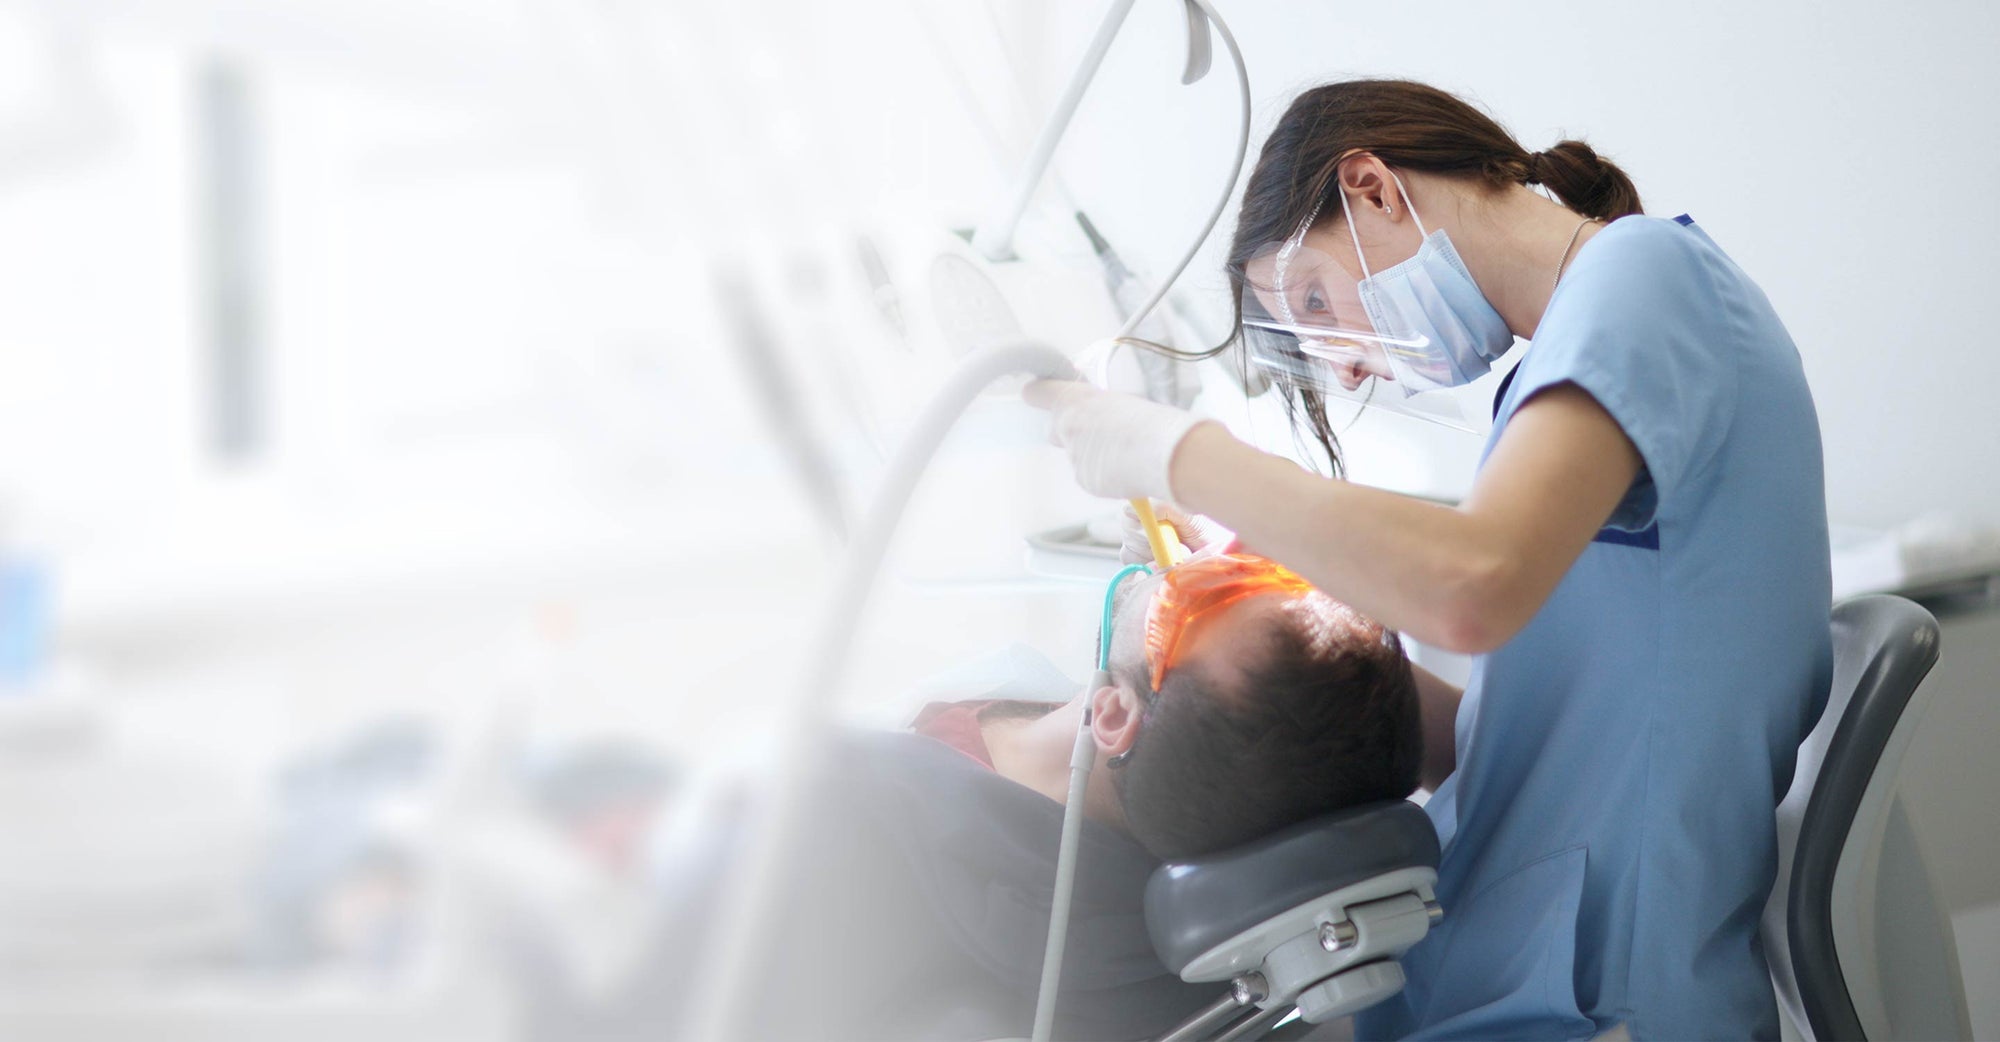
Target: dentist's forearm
[(1389, 556), (1413, 566)]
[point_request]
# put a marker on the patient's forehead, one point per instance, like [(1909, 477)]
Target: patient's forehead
[(1217, 632), (1232, 640)]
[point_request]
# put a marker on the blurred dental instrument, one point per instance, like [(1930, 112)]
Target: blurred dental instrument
[(782, 400), (754, 902), (1152, 374), (752, 909), (882, 290), (993, 240)]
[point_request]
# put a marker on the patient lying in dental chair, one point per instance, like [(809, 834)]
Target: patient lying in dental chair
[(922, 909)]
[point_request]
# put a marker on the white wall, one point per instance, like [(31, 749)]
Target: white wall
[(1843, 153)]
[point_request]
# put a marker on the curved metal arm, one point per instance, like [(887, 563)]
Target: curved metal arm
[(1199, 53), (995, 239)]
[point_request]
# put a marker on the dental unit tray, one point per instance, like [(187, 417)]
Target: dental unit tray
[(1073, 539)]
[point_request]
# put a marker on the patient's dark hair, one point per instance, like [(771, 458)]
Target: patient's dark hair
[(1320, 718)]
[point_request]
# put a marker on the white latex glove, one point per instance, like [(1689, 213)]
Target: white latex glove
[(1195, 532), (1120, 446)]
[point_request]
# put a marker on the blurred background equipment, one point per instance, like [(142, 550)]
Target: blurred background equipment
[(425, 426), (25, 609), (122, 867)]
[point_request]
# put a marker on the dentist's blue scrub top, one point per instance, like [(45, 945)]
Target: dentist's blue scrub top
[(1608, 835)]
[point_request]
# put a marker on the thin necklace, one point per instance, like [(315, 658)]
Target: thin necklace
[(1565, 257)]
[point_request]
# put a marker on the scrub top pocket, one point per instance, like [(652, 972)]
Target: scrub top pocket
[(1509, 968)]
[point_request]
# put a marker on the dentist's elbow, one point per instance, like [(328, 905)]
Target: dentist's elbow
[(1482, 603)]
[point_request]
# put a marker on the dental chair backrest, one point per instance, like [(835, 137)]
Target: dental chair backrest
[(1856, 938), (1310, 918)]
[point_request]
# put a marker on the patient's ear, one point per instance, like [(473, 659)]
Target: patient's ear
[(1115, 711)]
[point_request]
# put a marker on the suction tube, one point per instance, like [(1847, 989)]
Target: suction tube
[(1081, 756), (752, 907)]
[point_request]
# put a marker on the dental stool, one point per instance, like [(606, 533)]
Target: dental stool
[(1312, 918), (1858, 938)]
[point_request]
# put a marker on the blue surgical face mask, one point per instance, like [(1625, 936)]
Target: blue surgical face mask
[(1431, 303)]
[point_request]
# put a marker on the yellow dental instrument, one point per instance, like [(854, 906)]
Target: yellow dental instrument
[(1163, 550)]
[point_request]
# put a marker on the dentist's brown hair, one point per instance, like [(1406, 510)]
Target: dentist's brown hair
[(1409, 126)]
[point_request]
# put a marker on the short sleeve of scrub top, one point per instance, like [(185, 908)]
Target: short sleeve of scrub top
[(1669, 383), (1608, 835)]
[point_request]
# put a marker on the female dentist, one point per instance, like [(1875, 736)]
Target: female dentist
[(1641, 566)]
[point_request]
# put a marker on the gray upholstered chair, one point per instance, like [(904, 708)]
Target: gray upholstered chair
[(1858, 942), (1311, 919)]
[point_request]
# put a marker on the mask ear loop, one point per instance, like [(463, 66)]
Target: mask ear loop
[(1414, 215), (1352, 234), (1356, 238)]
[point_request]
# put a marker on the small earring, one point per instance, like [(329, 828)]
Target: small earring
[(1388, 211), (1117, 760)]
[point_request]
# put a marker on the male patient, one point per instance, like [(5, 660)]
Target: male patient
[(1242, 701)]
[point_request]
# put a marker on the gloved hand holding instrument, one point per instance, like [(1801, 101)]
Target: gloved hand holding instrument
[(1196, 535), (1121, 446)]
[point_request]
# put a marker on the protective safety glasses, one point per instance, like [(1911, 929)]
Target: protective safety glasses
[(1307, 312), (1195, 591), (1306, 328)]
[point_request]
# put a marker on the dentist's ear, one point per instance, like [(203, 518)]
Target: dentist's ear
[(1115, 712), (1369, 188)]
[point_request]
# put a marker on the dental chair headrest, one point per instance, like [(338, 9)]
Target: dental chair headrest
[(1194, 905)]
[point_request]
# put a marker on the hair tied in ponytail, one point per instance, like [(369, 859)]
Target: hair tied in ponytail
[(1408, 126), (1537, 163)]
